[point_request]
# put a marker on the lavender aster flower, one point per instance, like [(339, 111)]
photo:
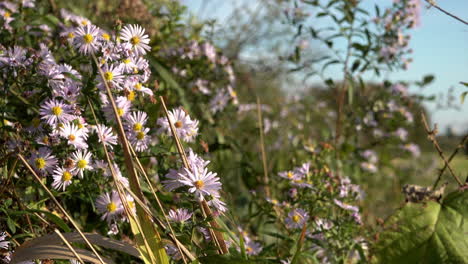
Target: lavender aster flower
[(201, 183), (180, 215), (296, 218)]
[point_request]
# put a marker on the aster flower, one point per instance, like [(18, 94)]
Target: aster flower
[(140, 139), (195, 161), (253, 248), (172, 181), (55, 112), (201, 183), (43, 160), (173, 251), (106, 135), (412, 148), (290, 175), (123, 108), (296, 218), (110, 206), (180, 215), (86, 39), (136, 121), (135, 35), (186, 128), (74, 136), (370, 167), (82, 161), (3, 243), (62, 178), (346, 206), (217, 204), (112, 76), (219, 102)]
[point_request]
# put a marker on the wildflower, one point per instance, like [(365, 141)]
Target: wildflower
[(112, 76), (290, 175), (201, 183), (123, 106), (110, 206), (217, 204), (3, 243), (296, 218), (179, 215), (195, 161), (43, 160), (136, 121), (15, 57), (62, 178), (173, 180), (185, 127), (370, 167), (74, 136), (173, 251), (86, 39), (82, 161), (402, 134), (139, 139), (412, 148), (346, 206), (370, 155), (55, 112), (113, 229), (106, 135), (135, 35), (253, 248), (219, 102)]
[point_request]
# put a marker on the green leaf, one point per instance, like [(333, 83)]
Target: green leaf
[(11, 225), (427, 232), (428, 79)]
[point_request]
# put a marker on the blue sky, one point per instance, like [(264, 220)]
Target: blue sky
[(440, 47)]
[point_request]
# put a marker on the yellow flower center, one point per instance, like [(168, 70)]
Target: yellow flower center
[(45, 140), (84, 22), (178, 124), (249, 249), (233, 94), (290, 175), (40, 163), (199, 184), (131, 96), (71, 137), (296, 218), (120, 111), (111, 207), (140, 135), (131, 204), (138, 86), (80, 126), (66, 176), (81, 164), (127, 61), (137, 127), (88, 38), (70, 35), (135, 40), (106, 36), (108, 76), (57, 110), (7, 15)]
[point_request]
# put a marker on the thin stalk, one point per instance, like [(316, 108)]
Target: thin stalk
[(215, 234), (266, 181), (432, 137), (69, 246), (60, 207)]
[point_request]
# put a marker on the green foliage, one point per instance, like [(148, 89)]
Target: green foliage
[(429, 232)]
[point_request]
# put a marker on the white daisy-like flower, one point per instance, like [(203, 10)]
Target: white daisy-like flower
[(290, 175), (62, 178), (186, 128), (86, 39), (179, 215), (55, 112), (110, 206), (136, 121), (143, 89), (127, 65), (139, 139), (74, 136), (296, 218), (106, 135), (43, 160), (173, 180), (82, 161), (217, 204), (201, 183), (112, 76), (3, 243), (135, 35)]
